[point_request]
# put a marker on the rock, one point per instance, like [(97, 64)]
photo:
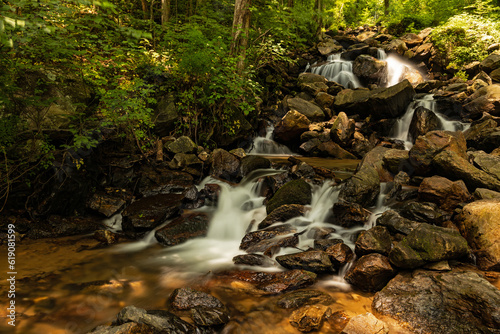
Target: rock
[(477, 133), (338, 320), (293, 192), (342, 129), (423, 121), (365, 324), (57, 226), (206, 317), (437, 302), (106, 204), (300, 298), (355, 51), (183, 228), (305, 78), (395, 160), (490, 63), (187, 298), (481, 193), (224, 165), (411, 39), (157, 319), (395, 223), (423, 52), (447, 194), (423, 212), (149, 212), (351, 101), (484, 100), (487, 162), (315, 261), (484, 77), (427, 147), (397, 46), (478, 223), (324, 100), (457, 87), (182, 144), (308, 109), (362, 188), (165, 116), (348, 214), (375, 159), (495, 75), (375, 240), (456, 167), (291, 127), (320, 233), (253, 260), (106, 237), (391, 102), (369, 69), (283, 214), (430, 244), (331, 149), (371, 272), (324, 244), (183, 160), (329, 46), (340, 254), (308, 318), (253, 162), (254, 238), (272, 246), (160, 180), (127, 328), (274, 283)]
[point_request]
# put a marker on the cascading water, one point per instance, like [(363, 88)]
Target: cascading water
[(267, 146), (402, 127), (337, 70)]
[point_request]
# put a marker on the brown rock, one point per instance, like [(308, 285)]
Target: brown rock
[(375, 240), (291, 126), (309, 317), (224, 165), (339, 254), (183, 228), (371, 272), (274, 283), (365, 324), (447, 194)]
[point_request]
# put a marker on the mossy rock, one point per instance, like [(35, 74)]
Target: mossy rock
[(293, 192)]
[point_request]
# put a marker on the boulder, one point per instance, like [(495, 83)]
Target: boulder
[(183, 228), (369, 69), (423, 121), (375, 159), (484, 100), (207, 317), (257, 237), (487, 162), (347, 214), (224, 165), (355, 51), (440, 302), (307, 78), (331, 149), (365, 324), (342, 129), (371, 272), (127, 328), (427, 147), (447, 194), (253, 260), (484, 77), (159, 320), (411, 39), (293, 192), (397, 46), (490, 63), (390, 102), (495, 75), (375, 240), (300, 298), (106, 204), (309, 317), (165, 116), (484, 135), (324, 100), (312, 111), (283, 214), (478, 222), (481, 193), (428, 243), (395, 223), (253, 162), (59, 226), (160, 180), (312, 260), (329, 46), (340, 254), (182, 144), (362, 188), (422, 52), (106, 237), (352, 101), (395, 160), (424, 212), (187, 298), (290, 127)]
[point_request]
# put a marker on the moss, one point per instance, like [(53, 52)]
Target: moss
[(293, 192)]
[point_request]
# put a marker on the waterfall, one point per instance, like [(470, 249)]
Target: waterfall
[(267, 146), (337, 70), (402, 126)]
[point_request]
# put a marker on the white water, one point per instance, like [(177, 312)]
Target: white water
[(402, 126), (267, 146), (338, 70)]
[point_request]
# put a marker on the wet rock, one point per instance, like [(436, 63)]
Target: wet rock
[(283, 214), (274, 283), (253, 260), (348, 214), (351, 101), (157, 319), (324, 100), (342, 129), (455, 167), (182, 144), (484, 77), (290, 127), (312, 111), (481, 193), (303, 170), (224, 165), (484, 100), (478, 223), (127, 328), (435, 302), (329, 46), (312, 260), (160, 180), (369, 69), (445, 193), (375, 158), (423, 121), (271, 247), (165, 115), (149, 212), (319, 233), (187, 298), (305, 78), (308, 318), (183, 228), (395, 160), (105, 204), (371, 272), (293, 192), (365, 324), (430, 244), (339, 254), (397, 46), (483, 136), (391, 102), (331, 149), (428, 146), (106, 237), (395, 223), (423, 212), (362, 188), (490, 63), (495, 75), (375, 240), (57, 226), (411, 39), (203, 316), (253, 238), (253, 162), (338, 320), (300, 298), (487, 162), (323, 244)]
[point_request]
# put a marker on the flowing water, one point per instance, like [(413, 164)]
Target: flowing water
[(337, 70), (267, 146)]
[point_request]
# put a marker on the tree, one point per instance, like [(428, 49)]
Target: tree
[(165, 11), (241, 27)]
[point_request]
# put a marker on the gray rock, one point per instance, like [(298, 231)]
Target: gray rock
[(362, 188)]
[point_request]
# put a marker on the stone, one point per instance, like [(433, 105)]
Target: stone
[(447, 194), (423, 121), (423, 212), (183, 160), (369, 69), (291, 127), (312, 260), (427, 147), (478, 222), (256, 237), (347, 214), (224, 165), (324, 244), (487, 162), (355, 51), (187, 298), (362, 188), (182, 144), (481, 193), (338, 320), (324, 100), (371, 272), (411, 39), (365, 324), (300, 298), (309, 317), (106, 237), (160, 180), (423, 52), (440, 302), (390, 102), (188, 226), (283, 214), (340, 254), (127, 328), (253, 162), (495, 75), (58, 226), (106, 204), (253, 260), (397, 46), (305, 78), (351, 101), (274, 283), (159, 320), (308, 109), (149, 212), (375, 240), (293, 192), (331, 149), (375, 159), (342, 129), (490, 63), (484, 77), (484, 100), (203, 316), (329, 46), (395, 160), (165, 116)]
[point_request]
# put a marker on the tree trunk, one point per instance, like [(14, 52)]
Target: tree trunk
[(165, 11), (318, 7), (241, 27), (290, 3), (386, 7), (144, 9)]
